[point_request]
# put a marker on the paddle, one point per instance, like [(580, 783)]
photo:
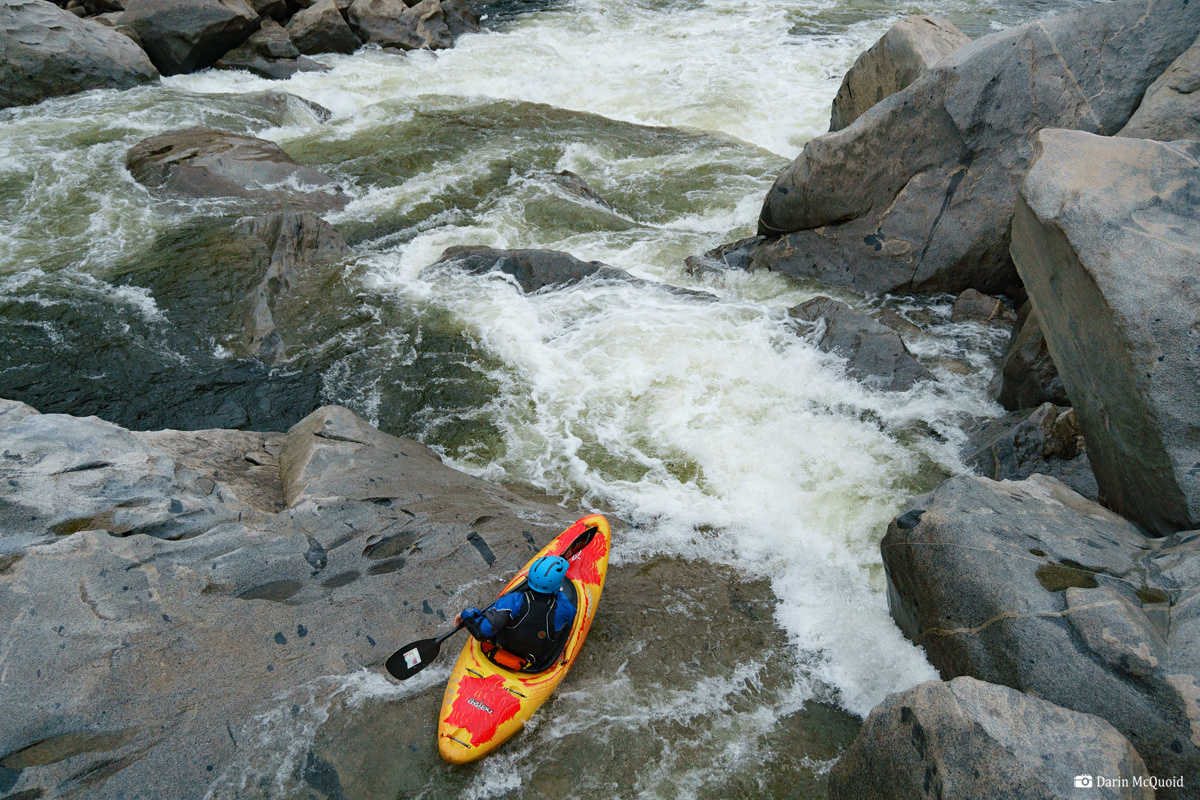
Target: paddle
[(414, 657)]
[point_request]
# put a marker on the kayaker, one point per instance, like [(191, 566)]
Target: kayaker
[(528, 623)]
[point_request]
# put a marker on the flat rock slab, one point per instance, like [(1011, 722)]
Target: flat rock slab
[(203, 163), (917, 195), (1105, 238), (48, 52), (320, 568), (970, 739), (1029, 585)]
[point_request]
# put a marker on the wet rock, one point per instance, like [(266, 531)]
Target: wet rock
[(320, 28), (187, 35), (967, 738), (49, 52), (975, 306), (1109, 258), (305, 254), (269, 53), (1027, 376), (875, 353), (1045, 440), (532, 269), (1029, 585), (281, 601), (1171, 108), (200, 162), (578, 186), (281, 103), (391, 23), (903, 54), (917, 195)]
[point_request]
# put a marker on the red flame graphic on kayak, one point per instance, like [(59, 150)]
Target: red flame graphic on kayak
[(482, 706)]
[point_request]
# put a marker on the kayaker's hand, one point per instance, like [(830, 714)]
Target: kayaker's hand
[(458, 619)]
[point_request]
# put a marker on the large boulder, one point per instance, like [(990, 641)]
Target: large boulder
[(1046, 440), (269, 53), (1171, 108), (1030, 585), (48, 52), (903, 54), (201, 162), (1027, 376), (967, 739), (392, 23), (1105, 239), (917, 195), (321, 28), (338, 544), (187, 35), (875, 354)]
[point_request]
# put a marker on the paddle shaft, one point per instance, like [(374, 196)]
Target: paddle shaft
[(430, 648)]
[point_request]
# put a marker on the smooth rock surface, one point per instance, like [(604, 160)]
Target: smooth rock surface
[(187, 35), (48, 52), (903, 54), (1105, 239), (1029, 585), (1171, 108), (321, 28), (975, 306), (875, 354), (1027, 376), (966, 739), (1046, 440), (306, 252), (201, 162), (154, 642), (917, 195)]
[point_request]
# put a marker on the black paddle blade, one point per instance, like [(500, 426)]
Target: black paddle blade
[(412, 658)]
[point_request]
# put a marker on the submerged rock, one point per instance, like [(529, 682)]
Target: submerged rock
[(532, 269), (1027, 376), (315, 571), (874, 353), (903, 54), (917, 195), (187, 35), (1109, 256), (201, 162), (304, 250), (1046, 440), (1171, 108), (1029, 585), (49, 52), (970, 739)]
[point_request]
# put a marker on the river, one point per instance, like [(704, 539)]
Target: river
[(748, 463)]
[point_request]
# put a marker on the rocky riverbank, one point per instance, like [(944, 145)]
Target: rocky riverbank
[(1055, 163)]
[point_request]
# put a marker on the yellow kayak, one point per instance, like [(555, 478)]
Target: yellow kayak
[(486, 703)]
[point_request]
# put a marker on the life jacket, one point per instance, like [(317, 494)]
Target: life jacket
[(532, 635)]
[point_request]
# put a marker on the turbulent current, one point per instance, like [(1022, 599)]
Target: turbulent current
[(758, 477)]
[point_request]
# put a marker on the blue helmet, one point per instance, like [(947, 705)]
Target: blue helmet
[(547, 573)]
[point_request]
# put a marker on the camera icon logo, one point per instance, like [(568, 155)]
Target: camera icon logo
[(1084, 782)]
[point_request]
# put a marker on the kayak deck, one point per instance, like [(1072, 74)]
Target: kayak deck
[(485, 703)]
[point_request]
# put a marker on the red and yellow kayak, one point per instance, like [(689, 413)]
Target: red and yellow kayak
[(485, 703)]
